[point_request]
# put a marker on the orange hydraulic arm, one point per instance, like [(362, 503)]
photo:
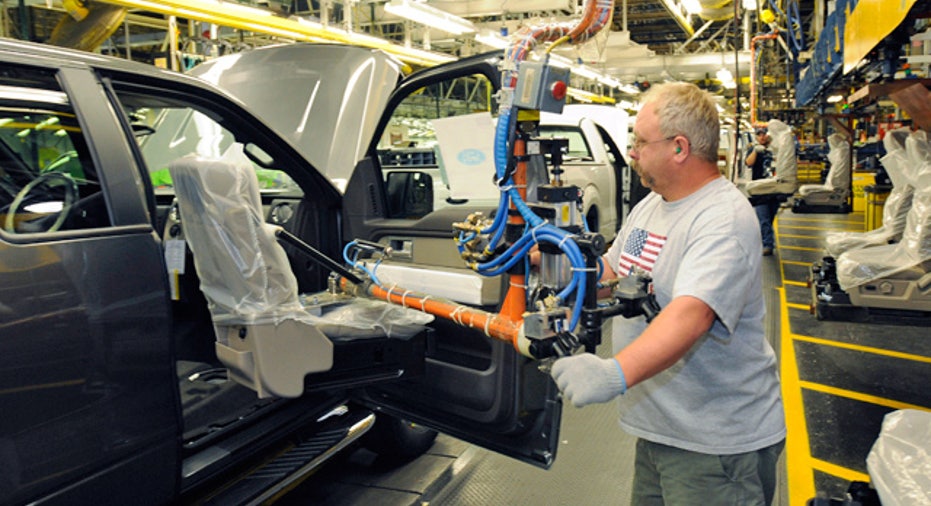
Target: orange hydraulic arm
[(493, 325)]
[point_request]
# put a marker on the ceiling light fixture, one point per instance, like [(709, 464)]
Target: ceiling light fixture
[(833, 99), (243, 17), (424, 14)]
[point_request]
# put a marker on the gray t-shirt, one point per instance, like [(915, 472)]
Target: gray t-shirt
[(723, 396)]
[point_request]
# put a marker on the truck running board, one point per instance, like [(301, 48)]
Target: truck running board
[(295, 463)]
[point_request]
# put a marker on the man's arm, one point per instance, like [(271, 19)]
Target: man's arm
[(586, 378), (667, 339), (751, 158)]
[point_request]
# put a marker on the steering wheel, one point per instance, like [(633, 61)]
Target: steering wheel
[(71, 196)]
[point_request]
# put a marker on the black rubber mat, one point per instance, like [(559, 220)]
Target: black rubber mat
[(798, 295), (795, 272), (830, 485), (801, 242), (886, 377), (905, 339), (842, 431)]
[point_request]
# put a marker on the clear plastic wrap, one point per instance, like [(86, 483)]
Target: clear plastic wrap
[(900, 461), (839, 173), (785, 163), (245, 274), (857, 267), (896, 207), (839, 157), (368, 317)]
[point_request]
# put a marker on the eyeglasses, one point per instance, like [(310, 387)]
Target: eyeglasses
[(636, 143)]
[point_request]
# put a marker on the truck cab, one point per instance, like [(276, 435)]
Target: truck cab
[(119, 378)]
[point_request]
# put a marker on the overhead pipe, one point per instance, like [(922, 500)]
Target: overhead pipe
[(766, 36), (595, 15)]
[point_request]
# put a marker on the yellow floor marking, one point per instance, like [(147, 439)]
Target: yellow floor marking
[(863, 349), (796, 262), (795, 283), (860, 396), (798, 236), (801, 307), (802, 227), (839, 471), (801, 480), (816, 220), (800, 248)]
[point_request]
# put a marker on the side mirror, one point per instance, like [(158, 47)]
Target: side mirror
[(410, 194)]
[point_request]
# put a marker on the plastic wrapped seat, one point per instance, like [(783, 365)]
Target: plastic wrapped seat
[(897, 204), (900, 460), (896, 275), (836, 188), (785, 164), (246, 277), (265, 335)]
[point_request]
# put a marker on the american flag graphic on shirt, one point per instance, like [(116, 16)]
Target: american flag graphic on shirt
[(641, 250)]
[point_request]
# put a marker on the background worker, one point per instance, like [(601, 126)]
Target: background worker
[(697, 386), (760, 161)]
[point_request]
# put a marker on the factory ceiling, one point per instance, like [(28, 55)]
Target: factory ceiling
[(649, 40)]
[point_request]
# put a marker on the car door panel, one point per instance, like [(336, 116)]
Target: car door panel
[(473, 387), (85, 358)]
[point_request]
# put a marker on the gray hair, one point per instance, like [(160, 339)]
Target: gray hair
[(685, 109)]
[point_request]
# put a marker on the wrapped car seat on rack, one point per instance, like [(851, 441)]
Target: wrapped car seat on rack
[(785, 164), (899, 201), (832, 196), (888, 278)]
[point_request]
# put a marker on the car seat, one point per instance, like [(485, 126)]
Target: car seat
[(265, 337), (785, 164), (833, 194), (896, 276), (897, 204)]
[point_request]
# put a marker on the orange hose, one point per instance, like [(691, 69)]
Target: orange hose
[(493, 325), (515, 301), (753, 42), (588, 17)]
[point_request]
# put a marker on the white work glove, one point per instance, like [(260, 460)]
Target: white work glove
[(759, 148), (586, 379)]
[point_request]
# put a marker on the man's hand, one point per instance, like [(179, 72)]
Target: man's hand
[(586, 379), (759, 148)]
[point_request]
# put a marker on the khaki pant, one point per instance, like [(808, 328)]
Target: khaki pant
[(664, 475)]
